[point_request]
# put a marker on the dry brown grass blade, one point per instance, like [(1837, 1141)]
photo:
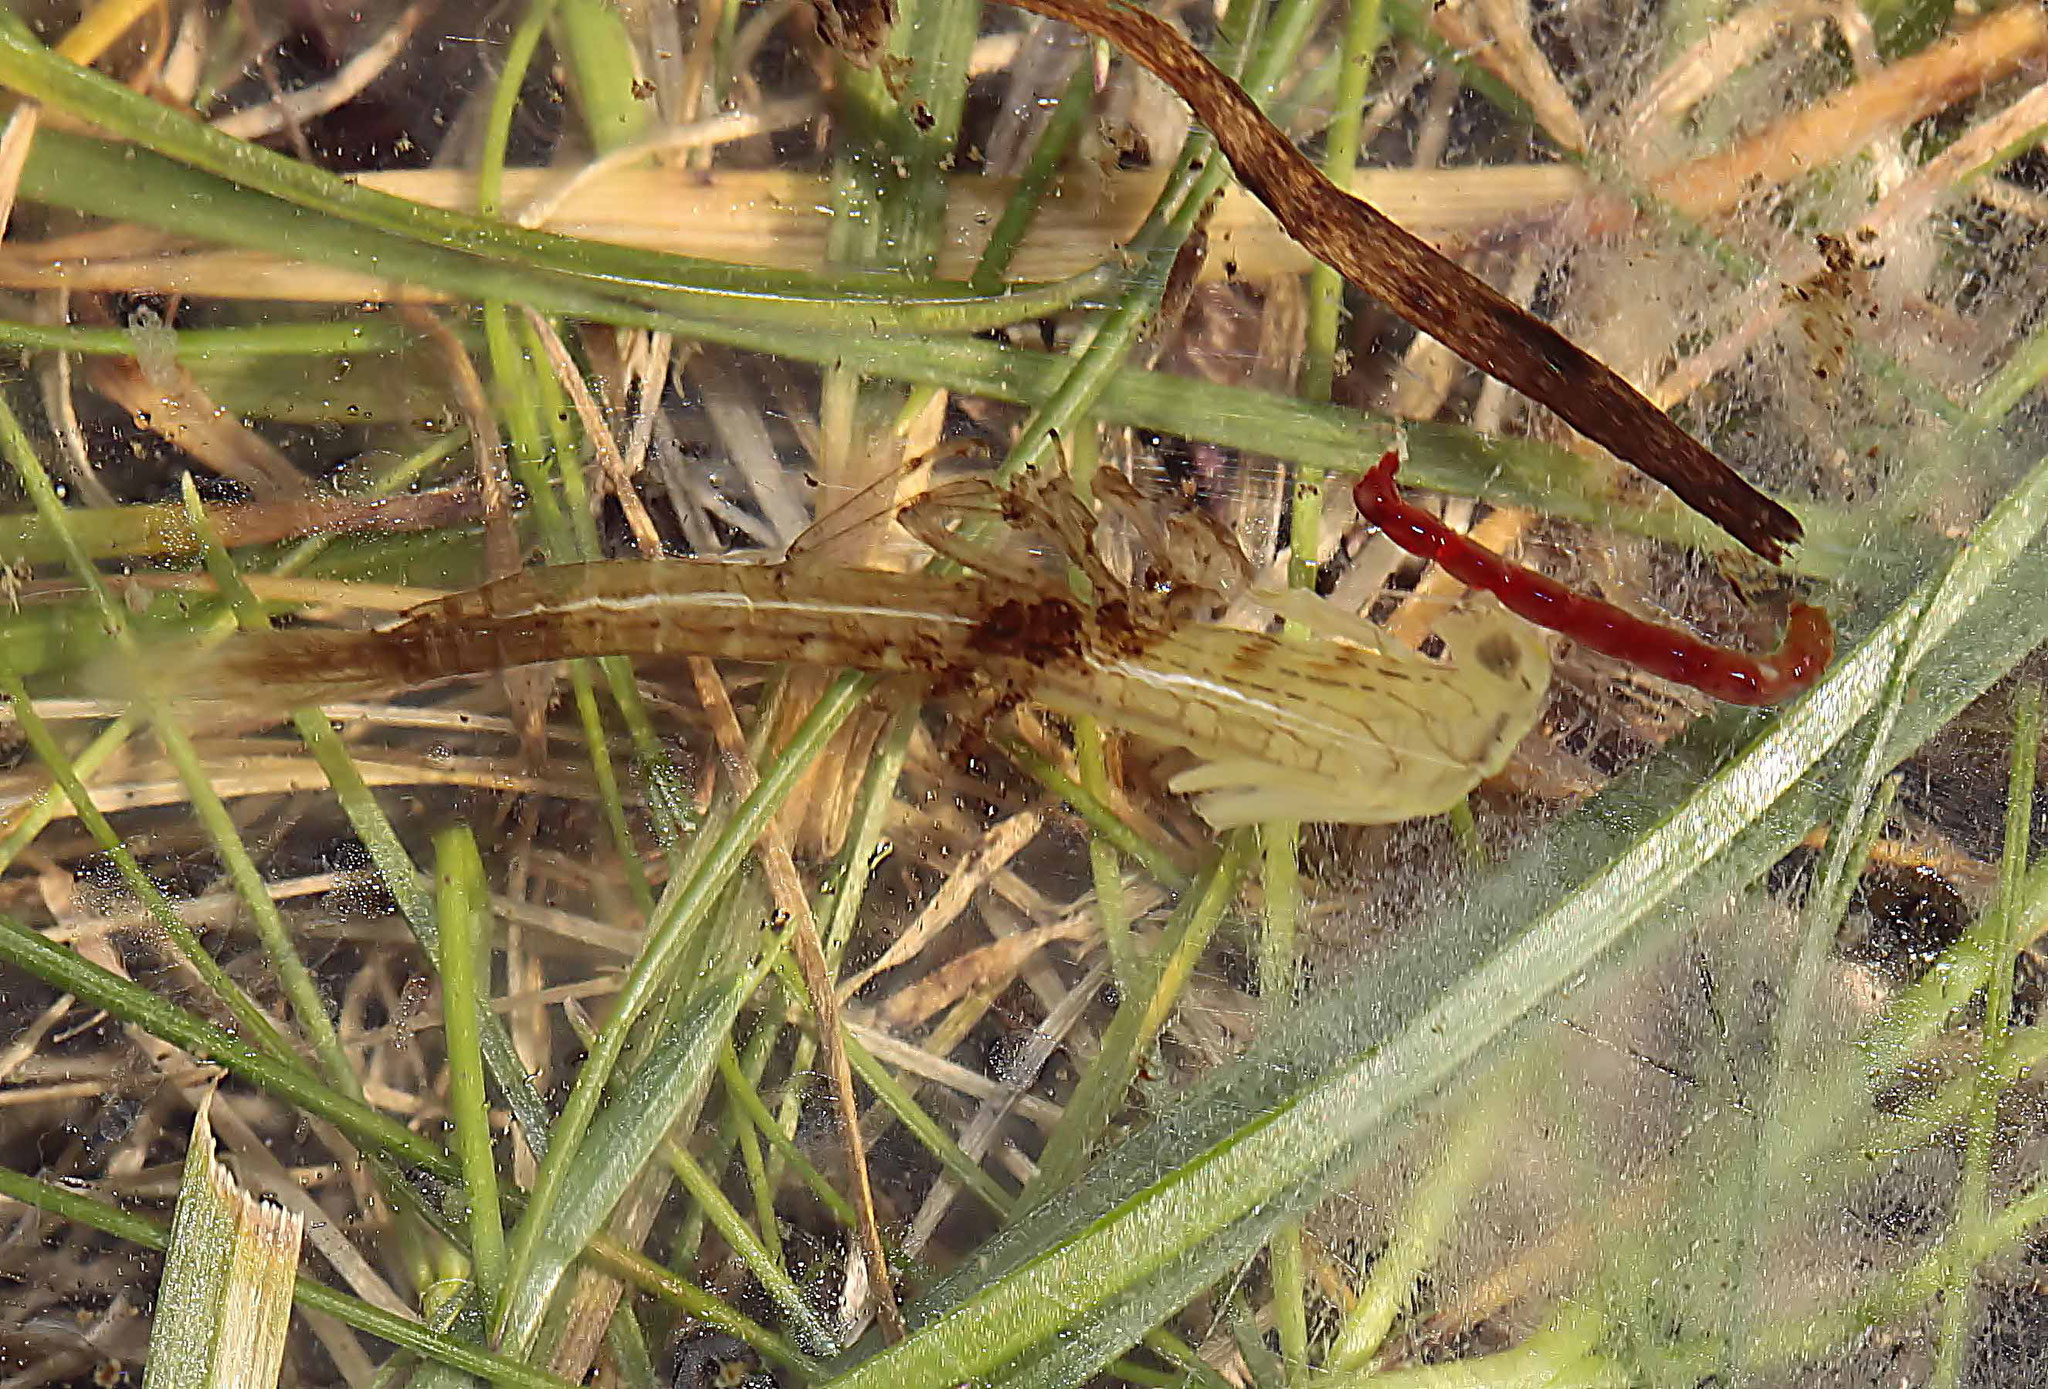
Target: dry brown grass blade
[(780, 218), (1729, 47), (164, 400), (493, 479), (1002, 843), (1846, 122), (1896, 217), (342, 595), (611, 464), (305, 103), (1531, 73), (15, 141), (240, 774), (162, 528), (986, 969), (594, 1298)]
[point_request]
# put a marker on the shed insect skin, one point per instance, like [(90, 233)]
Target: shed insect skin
[(1356, 730), (1734, 677)]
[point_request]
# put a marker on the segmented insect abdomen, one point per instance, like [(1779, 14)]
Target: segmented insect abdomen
[(861, 619)]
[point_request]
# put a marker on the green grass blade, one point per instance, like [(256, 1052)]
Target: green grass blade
[(1100, 818), (395, 868), (595, 47), (88, 176), (748, 1247), (759, 1185), (195, 1273), (342, 337), (28, 67), (1426, 1221), (33, 816), (517, 57), (67, 970), (690, 897), (226, 1295), (254, 1023), (933, 40), (1973, 1208), (620, 1140), (208, 809), (926, 1130), (1068, 118), (1140, 1014), (692, 1301), (749, 1103), (464, 915)]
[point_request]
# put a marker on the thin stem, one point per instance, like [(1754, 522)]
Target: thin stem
[(688, 899), (754, 1111), (761, 1261), (462, 903), (1290, 1306), (1139, 1015), (307, 1004), (954, 1160), (254, 1023), (325, 339), (1068, 119), (1101, 819), (1973, 1212), (1105, 866), (1359, 45)]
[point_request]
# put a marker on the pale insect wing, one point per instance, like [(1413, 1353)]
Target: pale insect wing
[(1325, 619), (1346, 735), (975, 525), (848, 532), (1245, 793), (1332, 732), (1184, 547), (1051, 507)]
